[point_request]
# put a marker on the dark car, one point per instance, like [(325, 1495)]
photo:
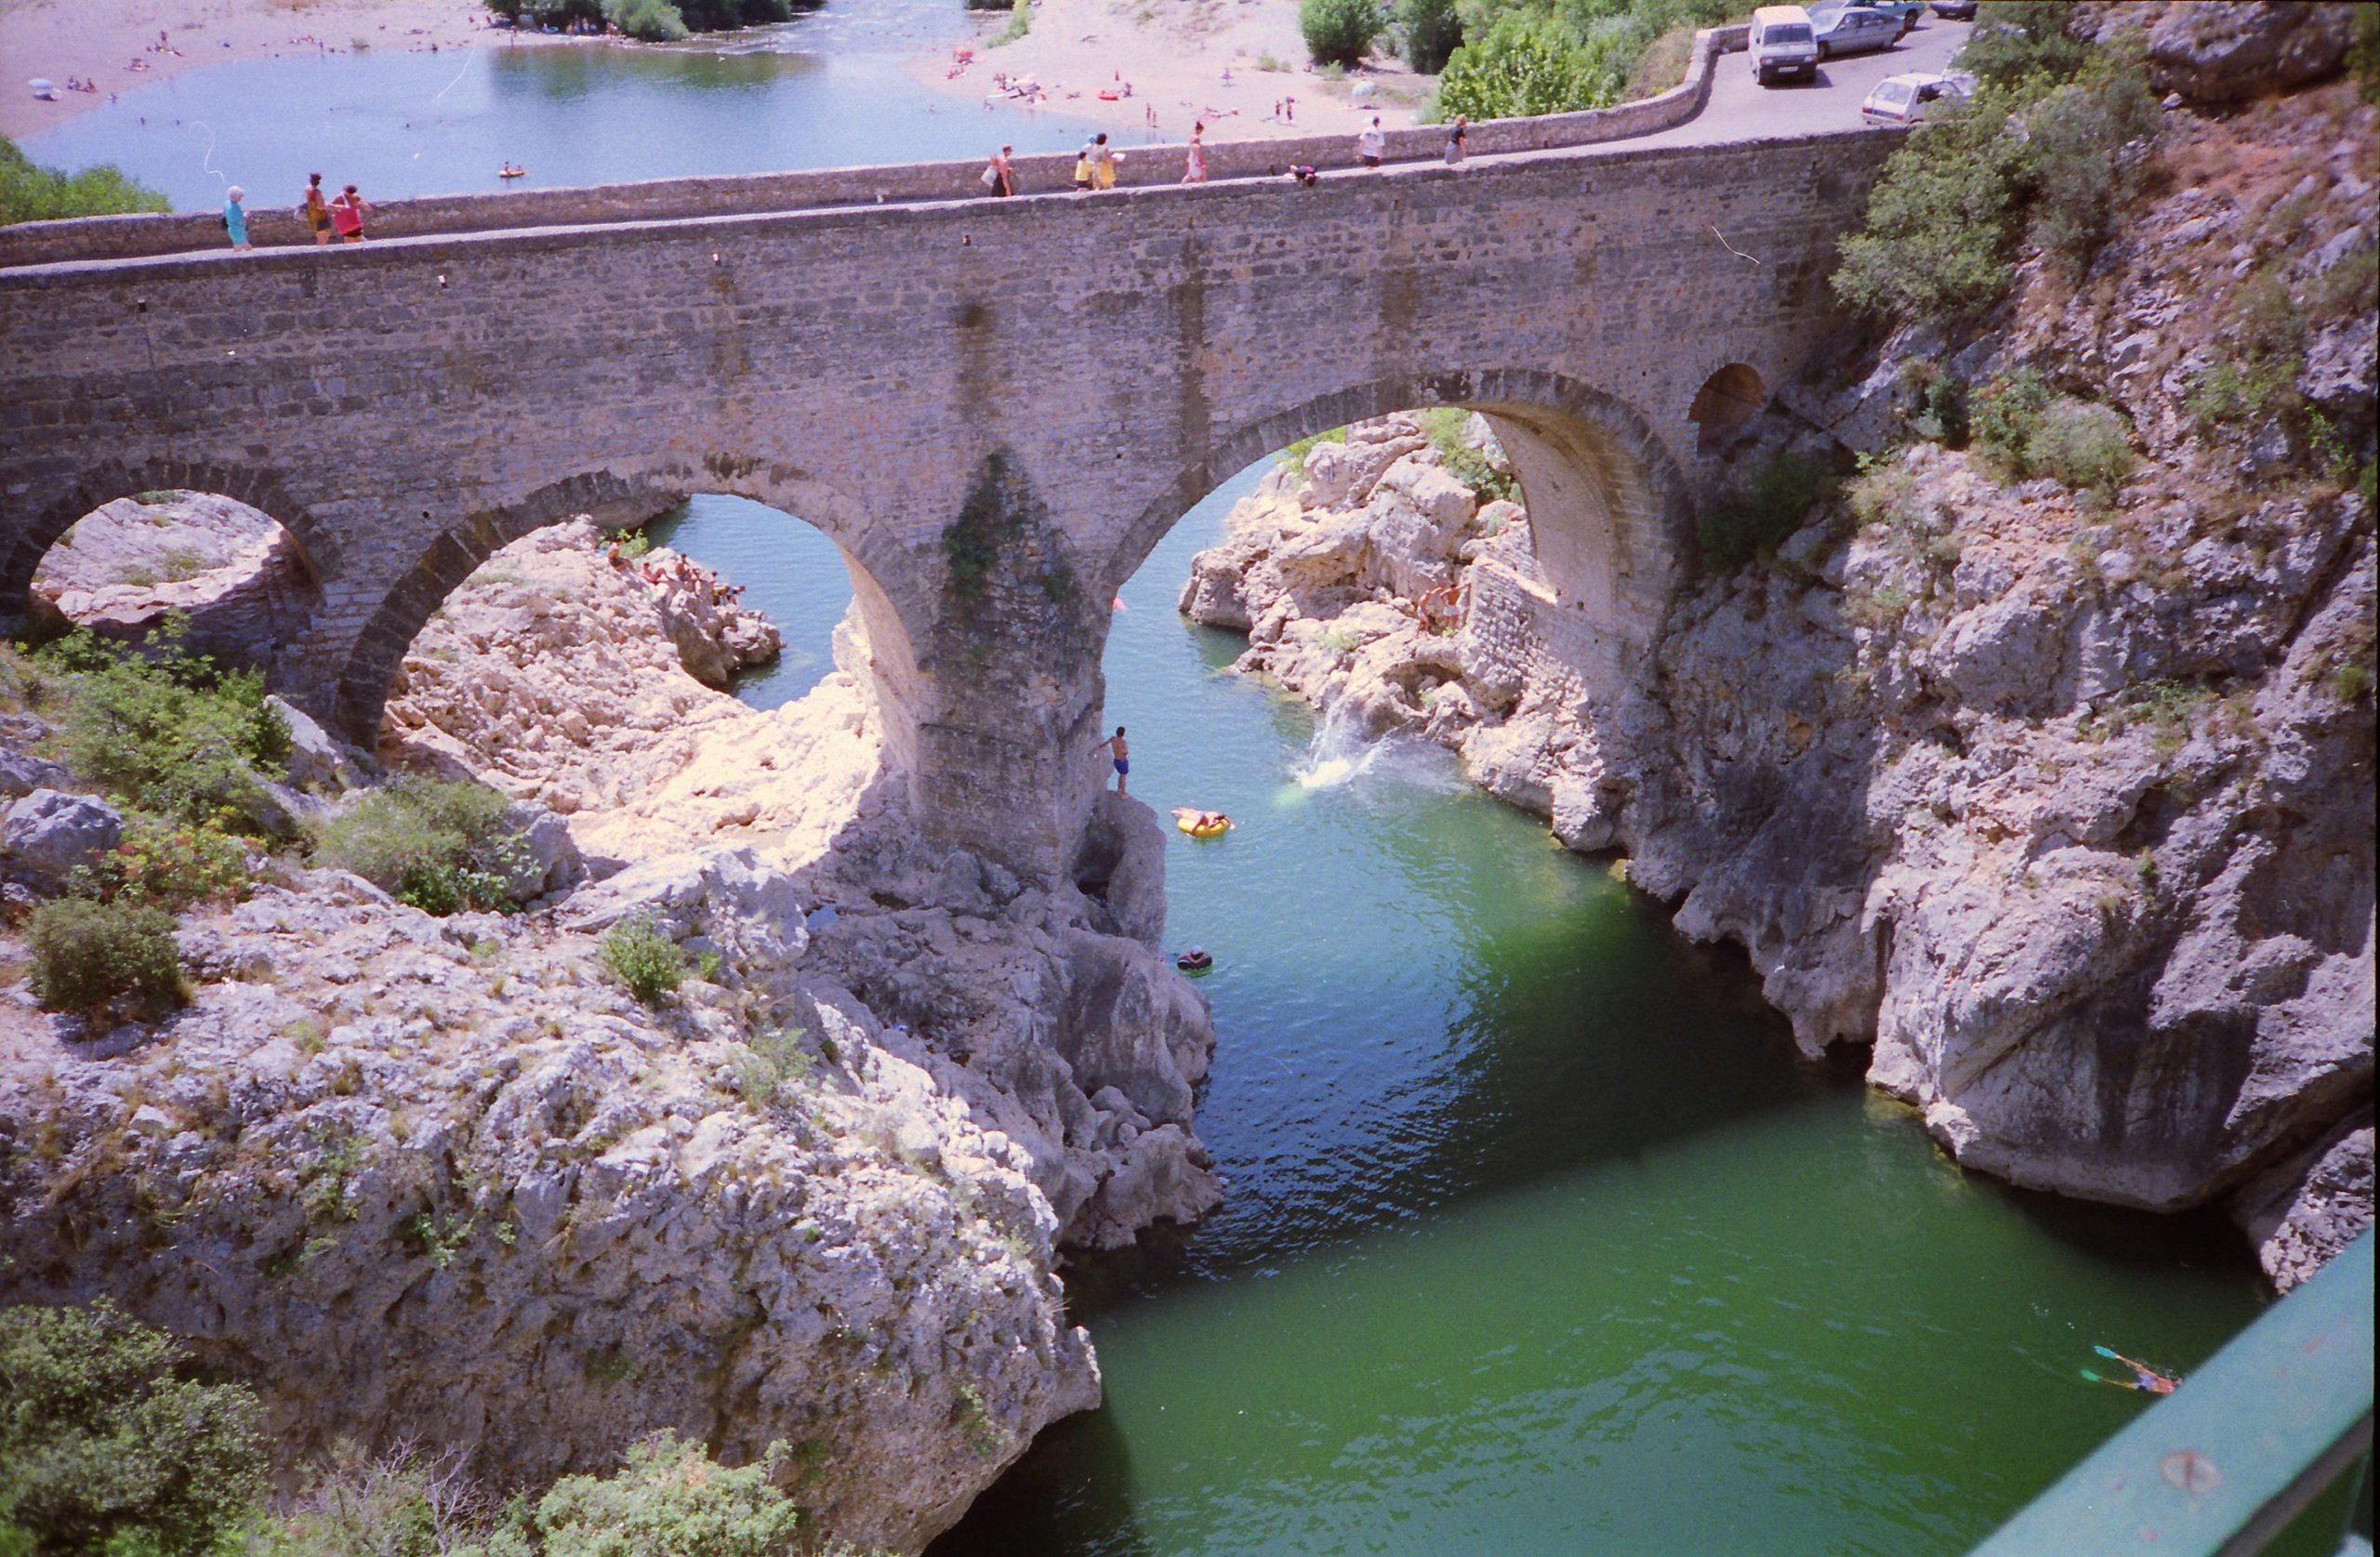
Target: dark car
[(1846, 29), (1955, 10)]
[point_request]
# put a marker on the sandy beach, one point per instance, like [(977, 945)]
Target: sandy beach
[(1233, 64), (115, 43)]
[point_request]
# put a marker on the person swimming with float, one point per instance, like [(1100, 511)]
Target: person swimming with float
[(1201, 824), (2145, 1378)]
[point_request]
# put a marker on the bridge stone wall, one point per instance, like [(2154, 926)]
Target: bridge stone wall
[(995, 408)]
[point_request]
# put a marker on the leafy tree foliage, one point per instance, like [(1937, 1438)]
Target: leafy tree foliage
[(32, 194), (106, 1450), (1433, 30), (1525, 65), (1340, 32)]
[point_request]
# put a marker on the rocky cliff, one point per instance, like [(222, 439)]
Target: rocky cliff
[(2058, 794), (444, 1178)]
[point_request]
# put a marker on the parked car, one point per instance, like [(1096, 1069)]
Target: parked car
[(1839, 28), (1955, 10), (1781, 45), (1905, 100), (1907, 12)]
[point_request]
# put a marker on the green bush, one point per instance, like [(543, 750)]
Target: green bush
[(1525, 65), (2024, 429), (1294, 455), (32, 194), (166, 864), (1340, 32), (670, 1496), (2017, 41), (644, 958), (2052, 148), (85, 954), (1774, 506), (654, 21), (1485, 473), (1431, 30), (105, 1450), (163, 730), (438, 845)]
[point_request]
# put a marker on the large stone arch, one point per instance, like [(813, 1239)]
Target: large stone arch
[(893, 610), (260, 487), (1610, 507)]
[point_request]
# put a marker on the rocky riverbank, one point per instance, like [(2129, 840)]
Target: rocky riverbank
[(446, 1178), (2056, 792)]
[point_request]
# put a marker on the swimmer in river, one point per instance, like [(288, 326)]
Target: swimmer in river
[(2145, 1378)]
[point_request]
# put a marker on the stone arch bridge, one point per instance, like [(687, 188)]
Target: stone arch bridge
[(995, 408)]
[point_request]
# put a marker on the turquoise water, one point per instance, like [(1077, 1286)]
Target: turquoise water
[(1539, 1239), (828, 90)]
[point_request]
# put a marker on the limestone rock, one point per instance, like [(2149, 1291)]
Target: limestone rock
[(317, 761), (2302, 1211), (48, 832), (2221, 51)]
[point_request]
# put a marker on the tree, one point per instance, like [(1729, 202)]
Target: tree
[(1525, 65), (1433, 32), (103, 1449), (1340, 32), (32, 194)]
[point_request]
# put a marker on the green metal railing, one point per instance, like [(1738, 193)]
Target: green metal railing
[(2226, 1462)]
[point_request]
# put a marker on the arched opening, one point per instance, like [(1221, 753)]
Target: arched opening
[(1727, 399), (237, 579), (1610, 514), (664, 671)]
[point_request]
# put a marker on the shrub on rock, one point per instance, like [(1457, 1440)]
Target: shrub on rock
[(644, 958), (438, 845), (85, 954)]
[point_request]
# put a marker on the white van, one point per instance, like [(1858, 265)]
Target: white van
[(1782, 44)]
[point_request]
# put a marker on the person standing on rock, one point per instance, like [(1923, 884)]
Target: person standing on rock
[(1120, 754), (1371, 144)]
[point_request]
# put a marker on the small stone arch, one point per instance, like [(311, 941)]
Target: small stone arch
[(1727, 400), (260, 487), (879, 573), (1610, 509)]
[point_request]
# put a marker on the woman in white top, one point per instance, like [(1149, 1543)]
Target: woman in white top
[(1194, 166)]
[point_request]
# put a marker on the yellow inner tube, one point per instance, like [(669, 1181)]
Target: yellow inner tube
[(1212, 829)]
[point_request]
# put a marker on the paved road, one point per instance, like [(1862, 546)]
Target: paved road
[(1740, 108)]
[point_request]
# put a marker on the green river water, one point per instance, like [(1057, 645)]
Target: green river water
[(1538, 1238)]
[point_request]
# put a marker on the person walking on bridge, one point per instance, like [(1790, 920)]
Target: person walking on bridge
[(1194, 166), (1001, 176), (1371, 144), (317, 209), (1120, 754), (347, 215), (235, 216)]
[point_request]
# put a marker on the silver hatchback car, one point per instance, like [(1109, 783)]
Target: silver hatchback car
[(1843, 28)]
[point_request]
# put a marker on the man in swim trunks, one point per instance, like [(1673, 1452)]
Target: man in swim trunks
[(317, 209), (1120, 754)]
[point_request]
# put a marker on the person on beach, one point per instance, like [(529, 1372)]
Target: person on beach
[(235, 220), (1194, 166), (1371, 144), (347, 215), (1119, 754), (1457, 140), (317, 209)]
